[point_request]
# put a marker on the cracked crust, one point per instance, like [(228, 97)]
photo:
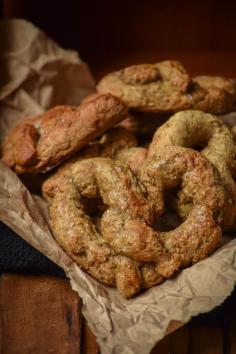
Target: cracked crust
[(76, 233), (38, 144), (142, 124), (126, 251), (201, 192), (118, 144), (167, 87), (198, 129)]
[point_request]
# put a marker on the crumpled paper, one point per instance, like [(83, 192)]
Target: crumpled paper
[(39, 74)]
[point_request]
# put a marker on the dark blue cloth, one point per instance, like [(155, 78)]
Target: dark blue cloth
[(17, 256)]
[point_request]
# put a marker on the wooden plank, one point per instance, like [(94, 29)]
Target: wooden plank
[(206, 340), (175, 343), (179, 341), (162, 347), (39, 315), (230, 323), (89, 344), (232, 338)]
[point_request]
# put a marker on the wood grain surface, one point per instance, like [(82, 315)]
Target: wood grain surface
[(39, 315), (42, 315)]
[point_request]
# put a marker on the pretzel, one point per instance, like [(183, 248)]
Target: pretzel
[(132, 208), (200, 233), (200, 187), (39, 144), (198, 129), (167, 87), (76, 233)]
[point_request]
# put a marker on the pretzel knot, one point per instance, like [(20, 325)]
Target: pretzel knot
[(126, 250), (197, 129), (167, 87), (39, 144)]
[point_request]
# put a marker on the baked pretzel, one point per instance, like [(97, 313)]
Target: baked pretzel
[(75, 232), (167, 87), (170, 168), (148, 256), (207, 132), (39, 144), (199, 234)]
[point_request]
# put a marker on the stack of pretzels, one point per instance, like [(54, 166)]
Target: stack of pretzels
[(145, 142)]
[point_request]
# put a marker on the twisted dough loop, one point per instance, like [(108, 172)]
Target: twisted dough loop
[(142, 124), (201, 191), (167, 87), (40, 143), (75, 231), (199, 234), (118, 144), (127, 246), (195, 128)]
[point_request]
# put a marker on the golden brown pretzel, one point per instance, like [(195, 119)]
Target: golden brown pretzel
[(195, 128), (167, 87), (38, 144), (127, 224), (76, 233), (201, 188)]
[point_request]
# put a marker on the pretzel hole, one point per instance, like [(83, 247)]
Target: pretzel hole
[(170, 219), (198, 147), (94, 207)]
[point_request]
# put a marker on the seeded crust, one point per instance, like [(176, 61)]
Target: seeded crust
[(221, 94), (198, 179), (126, 251), (167, 87), (118, 144), (141, 124), (75, 232), (39, 144), (201, 192), (205, 131)]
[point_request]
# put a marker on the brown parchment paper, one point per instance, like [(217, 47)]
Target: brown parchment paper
[(38, 74)]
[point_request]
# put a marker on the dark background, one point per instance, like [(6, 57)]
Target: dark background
[(111, 34)]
